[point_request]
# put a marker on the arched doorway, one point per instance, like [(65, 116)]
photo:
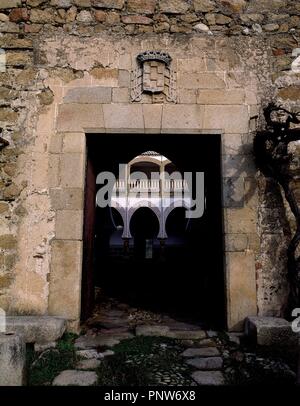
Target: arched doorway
[(144, 228)]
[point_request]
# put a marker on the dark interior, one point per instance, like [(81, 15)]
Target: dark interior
[(183, 277)]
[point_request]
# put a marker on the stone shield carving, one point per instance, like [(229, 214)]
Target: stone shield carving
[(153, 76)]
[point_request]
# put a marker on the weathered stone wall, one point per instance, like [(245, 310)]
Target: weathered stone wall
[(65, 58)]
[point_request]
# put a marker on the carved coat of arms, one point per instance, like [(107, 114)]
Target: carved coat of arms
[(153, 75)]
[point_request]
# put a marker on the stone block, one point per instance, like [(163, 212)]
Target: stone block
[(229, 119), (74, 142), (55, 145), (117, 4), (123, 117), (83, 3), (105, 77), (186, 334), (233, 192), (61, 3), (187, 96), (136, 19), (120, 95), (182, 117), (8, 242), (159, 331), (152, 114), (42, 16), (207, 363), (18, 15), (204, 6), (242, 242), (12, 358), (200, 81), (124, 78), (234, 6), (10, 3), (36, 329), (67, 199), (102, 340), (79, 117), (265, 6), (236, 242), (69, 224), (72, 169), (241, 288), (9, 27), (76, 378), (201, 352), (270, 331), (240, 220), (238, 166), (88, 95), (141, 6), (232, 144), (251, 193), (173, 6), (8, 115), (54, 170), (65, 279), (208, 378), (223, 97)]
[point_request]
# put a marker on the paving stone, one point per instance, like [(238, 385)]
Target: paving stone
[(211, 378), (152, 330), (101, 340), (89, 354), (76, 378), (201, 352), (186, 334), (206, 342), (44, 347), (207, 363), (87, 364)]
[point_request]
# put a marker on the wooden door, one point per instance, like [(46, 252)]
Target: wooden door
[(88, 286)]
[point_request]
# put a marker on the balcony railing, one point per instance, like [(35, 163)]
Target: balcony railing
[(150, 186)]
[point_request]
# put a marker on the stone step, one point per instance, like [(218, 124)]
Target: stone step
[(36, 329), (207, 363), (166, 331), (102, 340), (76, 378), (201, 352), (211, 378)]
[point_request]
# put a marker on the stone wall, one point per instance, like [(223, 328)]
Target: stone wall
[(65, 58)]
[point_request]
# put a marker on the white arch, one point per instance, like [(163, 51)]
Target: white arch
[(154, 210)]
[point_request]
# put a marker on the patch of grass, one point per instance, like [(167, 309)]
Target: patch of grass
[(136, 360), (114, 371), (44, 367)]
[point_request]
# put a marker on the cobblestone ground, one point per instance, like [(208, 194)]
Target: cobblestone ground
[(125, 346)]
